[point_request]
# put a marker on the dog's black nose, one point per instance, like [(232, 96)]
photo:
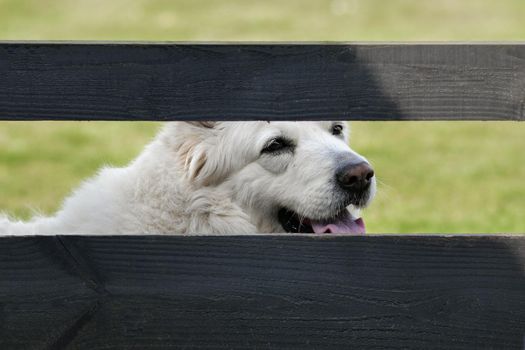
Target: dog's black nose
[(355, 177)]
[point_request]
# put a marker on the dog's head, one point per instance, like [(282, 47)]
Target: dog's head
[(288, 176)]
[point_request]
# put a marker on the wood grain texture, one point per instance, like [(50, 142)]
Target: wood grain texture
[(65, 81), (42, 296), (266, 292)]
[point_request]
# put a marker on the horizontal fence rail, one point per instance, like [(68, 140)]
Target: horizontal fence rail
[(151, 292), (90, 81)]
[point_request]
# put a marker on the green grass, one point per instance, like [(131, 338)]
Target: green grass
[(41, 162), (435, 177), (262, 20), (445, 177)]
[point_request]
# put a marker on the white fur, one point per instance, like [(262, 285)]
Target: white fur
[(206, 178)]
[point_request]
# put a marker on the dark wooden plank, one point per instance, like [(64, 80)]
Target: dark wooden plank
[(266, 81), (279, 292), (44, 297)]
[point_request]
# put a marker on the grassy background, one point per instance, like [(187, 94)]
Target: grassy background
[(435, 176)]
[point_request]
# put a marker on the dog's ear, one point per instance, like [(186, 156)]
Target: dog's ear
[(195, 165), (203, 124), (195, 142)]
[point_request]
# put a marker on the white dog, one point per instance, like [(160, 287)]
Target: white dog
[(223, 178)]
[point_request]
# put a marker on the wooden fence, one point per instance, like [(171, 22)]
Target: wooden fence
[(292, 291)]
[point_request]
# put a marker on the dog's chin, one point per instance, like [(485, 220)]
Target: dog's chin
[(342, 222)]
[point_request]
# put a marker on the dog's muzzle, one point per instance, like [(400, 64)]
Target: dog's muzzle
[(354, 180)]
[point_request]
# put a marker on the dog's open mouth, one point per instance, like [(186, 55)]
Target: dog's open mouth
[(343, 222)]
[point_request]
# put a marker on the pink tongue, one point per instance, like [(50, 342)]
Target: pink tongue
[(342, 224)]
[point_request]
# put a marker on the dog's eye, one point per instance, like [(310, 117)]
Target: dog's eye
[(276, 145), (337, 129)]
